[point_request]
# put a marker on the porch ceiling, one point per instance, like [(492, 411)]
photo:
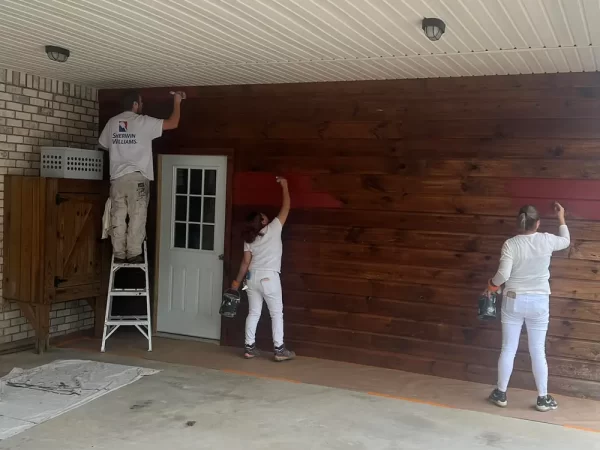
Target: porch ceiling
[(142, 43)]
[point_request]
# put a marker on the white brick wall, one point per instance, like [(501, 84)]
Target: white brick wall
[(37, 112)]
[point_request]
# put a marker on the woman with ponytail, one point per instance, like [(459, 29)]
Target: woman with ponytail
[(261, 267), (524, 269)]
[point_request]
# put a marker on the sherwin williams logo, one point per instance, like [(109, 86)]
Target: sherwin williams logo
[(123, 137)]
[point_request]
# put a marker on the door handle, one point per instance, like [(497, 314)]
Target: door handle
[(222, 257)]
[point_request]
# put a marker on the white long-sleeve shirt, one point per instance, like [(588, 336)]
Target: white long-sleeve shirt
[(525, 261)]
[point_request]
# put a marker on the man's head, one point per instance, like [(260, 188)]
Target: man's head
[(132, 101)]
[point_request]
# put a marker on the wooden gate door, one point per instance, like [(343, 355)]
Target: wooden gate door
[(79, 254)]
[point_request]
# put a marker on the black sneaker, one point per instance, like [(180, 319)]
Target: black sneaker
[(139, 259), (498, 398), (546, 403), (250, 351), (283, 354)]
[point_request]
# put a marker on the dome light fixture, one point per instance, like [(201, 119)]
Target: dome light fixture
[(433, 28), (57, 54)]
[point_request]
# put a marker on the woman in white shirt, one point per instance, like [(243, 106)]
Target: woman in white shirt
[(524, 269), (261, 267)]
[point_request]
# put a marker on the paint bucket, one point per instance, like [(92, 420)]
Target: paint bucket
[(488, 309)]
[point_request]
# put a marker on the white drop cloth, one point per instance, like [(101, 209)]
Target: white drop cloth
[(30, 397)]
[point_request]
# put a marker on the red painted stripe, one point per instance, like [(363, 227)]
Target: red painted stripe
[(575, 209), (554, 189), (259, 188), (580, 198)]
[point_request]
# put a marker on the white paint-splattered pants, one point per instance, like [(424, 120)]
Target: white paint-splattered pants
[(533, 309), (129, 195), (264, 285)]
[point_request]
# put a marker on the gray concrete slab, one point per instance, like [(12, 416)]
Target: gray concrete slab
[(192, 408)]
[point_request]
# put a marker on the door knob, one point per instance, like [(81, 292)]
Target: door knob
[(221, 257)]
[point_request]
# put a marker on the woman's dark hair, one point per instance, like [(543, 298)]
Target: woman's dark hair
[(129, 99), (252, 227), (527, 218)]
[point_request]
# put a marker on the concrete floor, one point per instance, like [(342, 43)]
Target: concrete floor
[(187, 407), (418, 388)]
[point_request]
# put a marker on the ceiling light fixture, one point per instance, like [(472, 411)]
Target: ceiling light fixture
[(434, 28), (58, 54)]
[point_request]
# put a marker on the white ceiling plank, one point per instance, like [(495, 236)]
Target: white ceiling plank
[(474, 68), (557, 16), (358, 16), (505, 23), (591, 9), (519, 61), (163, 42), (545, 60), (573, 60), (472, 36), (514, 63), (407, 66), (492, 17), (456, 64), (522, 21), (492, 62), (588, 62), (574, 12), (532, 60), (559, 60), (537, 14)]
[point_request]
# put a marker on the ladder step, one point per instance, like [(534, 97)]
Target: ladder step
[(128, 322), (128, 292), (128, 266), (128, 317), (142, 322)]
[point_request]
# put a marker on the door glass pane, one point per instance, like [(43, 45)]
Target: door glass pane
[(208, 237), (193, 236), (209, 210), (181, 207), (182, 181), (196, 181), (179, 238), (195, 209), (210, 182)]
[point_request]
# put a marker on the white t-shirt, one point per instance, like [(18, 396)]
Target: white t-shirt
[(128, 137), (525, 261), (267, 249)]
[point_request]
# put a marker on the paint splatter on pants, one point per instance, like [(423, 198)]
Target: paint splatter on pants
[(129, 195)]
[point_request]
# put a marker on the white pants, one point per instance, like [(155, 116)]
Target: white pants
[(264, 285), (129, 195), (533, 309)]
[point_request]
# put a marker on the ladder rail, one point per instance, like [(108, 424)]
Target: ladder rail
[(141, 322)]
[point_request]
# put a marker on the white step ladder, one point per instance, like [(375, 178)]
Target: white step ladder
[(142, 323)]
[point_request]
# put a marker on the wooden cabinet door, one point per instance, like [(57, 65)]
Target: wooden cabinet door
[(79, 249)]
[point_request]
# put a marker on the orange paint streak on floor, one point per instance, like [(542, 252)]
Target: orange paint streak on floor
[(412, 400), (257, 375)]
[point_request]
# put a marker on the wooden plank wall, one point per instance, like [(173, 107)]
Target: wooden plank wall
[(404, 192)]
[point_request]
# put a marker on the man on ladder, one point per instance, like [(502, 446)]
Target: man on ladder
[(128, 137)]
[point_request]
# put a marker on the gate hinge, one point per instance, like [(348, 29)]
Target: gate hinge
[(60, 199), (58, 281)]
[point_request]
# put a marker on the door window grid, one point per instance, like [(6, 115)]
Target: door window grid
[(194, 204)]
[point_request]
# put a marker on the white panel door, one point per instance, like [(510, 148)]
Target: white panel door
[(192, 240)]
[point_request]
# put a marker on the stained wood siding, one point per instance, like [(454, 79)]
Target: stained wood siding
[(403, 192)]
